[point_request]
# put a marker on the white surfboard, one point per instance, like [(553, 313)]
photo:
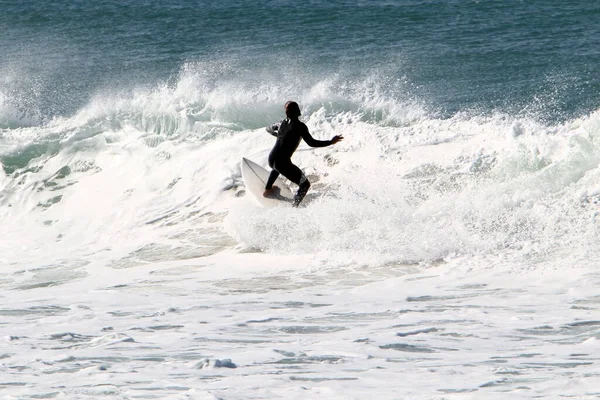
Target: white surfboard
[(255, 178)]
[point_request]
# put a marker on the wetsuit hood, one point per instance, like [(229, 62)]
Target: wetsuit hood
[(292, 109)]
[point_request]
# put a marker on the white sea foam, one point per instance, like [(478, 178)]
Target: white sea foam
[(435, 258)]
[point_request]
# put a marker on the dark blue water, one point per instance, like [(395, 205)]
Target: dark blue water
[(539, 58)]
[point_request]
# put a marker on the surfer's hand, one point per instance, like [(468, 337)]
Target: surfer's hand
[(272, 129), (336, 139)]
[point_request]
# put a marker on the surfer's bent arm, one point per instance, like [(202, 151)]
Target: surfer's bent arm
[(273, 129)]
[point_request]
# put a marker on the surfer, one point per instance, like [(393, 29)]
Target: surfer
[(289, 133)]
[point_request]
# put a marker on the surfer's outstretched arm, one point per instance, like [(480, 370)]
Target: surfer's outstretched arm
[(312, 142), (336, 138)]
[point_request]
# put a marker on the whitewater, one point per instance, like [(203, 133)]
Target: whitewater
[(437, 257)]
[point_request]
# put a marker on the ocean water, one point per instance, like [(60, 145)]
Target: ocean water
[(448, 248)]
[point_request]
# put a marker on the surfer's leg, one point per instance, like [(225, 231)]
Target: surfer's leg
[(295, 174), (304, 186), (272, 178), (270, 190)]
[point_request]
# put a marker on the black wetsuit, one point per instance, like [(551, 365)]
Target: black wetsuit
[(289, 133)]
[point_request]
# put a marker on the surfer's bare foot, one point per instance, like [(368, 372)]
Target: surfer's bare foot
[(273, 192)]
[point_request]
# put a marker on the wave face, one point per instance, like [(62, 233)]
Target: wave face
[(407, 185)]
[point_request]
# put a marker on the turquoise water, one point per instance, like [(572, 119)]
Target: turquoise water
[(537, 58)]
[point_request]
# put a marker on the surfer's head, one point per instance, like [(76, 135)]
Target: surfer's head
[(292, 109)]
